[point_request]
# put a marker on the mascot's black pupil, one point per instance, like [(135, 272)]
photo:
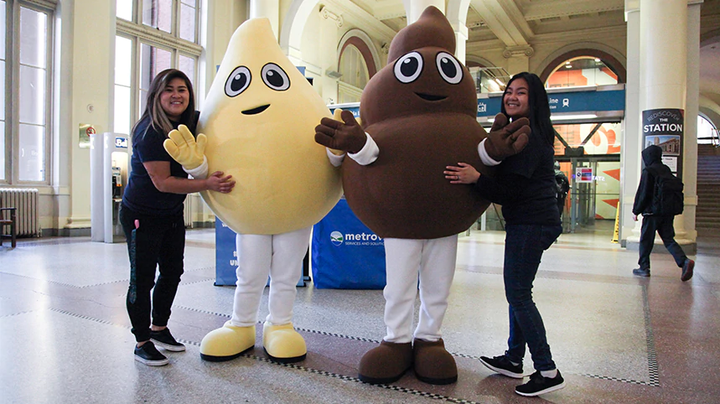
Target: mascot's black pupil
[(409, 67), (448, 68), (238, 82), (274, 79)]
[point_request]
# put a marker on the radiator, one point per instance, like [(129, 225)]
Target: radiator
[(189, 210), (26, 202)]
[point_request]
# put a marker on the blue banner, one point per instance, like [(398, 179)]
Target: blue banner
[(562, 102), (226, 260), (225, 254), (345, 253)]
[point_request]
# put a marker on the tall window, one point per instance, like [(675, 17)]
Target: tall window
[(25, 58), (141, 53), (707, 133)]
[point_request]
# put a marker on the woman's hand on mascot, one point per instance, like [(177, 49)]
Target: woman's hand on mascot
[(463, 173), (219, 182), (184, 148), (346, 135), (506, 139)]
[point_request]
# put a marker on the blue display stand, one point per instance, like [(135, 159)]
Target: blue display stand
[(226, 257), (225, 254), (345, 253)]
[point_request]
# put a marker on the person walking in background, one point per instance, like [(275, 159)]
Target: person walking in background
[(658, 213), (524, 184), (151, 213), (562, 188)]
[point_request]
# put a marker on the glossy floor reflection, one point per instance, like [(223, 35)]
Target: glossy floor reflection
[(64, 332)]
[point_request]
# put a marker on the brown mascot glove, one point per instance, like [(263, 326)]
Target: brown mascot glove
[(346, 135), (506, 139)]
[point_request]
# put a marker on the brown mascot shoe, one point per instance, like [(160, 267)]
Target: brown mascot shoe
[(433, 364), (386, 363)]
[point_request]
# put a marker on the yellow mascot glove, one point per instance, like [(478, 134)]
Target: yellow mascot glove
[(184, 148)]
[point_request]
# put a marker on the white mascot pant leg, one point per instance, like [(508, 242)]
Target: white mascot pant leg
[(432, 262), (279, 256)]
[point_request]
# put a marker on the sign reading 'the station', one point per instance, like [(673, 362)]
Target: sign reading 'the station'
[(665, 128)]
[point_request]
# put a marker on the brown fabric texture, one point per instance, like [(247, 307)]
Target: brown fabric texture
[(433, 363), (386, 362), (420, 127)]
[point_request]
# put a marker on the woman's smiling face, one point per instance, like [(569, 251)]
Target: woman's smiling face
[(516, 99), (175, 98)]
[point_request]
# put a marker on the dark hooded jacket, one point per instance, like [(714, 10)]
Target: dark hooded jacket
[(652, 157)]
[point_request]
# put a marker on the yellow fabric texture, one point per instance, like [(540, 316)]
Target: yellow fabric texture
[(284, 179)]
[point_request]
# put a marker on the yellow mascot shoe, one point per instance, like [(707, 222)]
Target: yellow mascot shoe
[(227, 342), (283, 344)]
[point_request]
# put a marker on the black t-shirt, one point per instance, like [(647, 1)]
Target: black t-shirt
[(524, 184), (141, 195)]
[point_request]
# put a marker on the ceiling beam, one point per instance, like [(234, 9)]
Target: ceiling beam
[(539, 10), (505, 20)]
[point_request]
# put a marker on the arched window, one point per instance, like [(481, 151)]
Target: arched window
[(353, 67), (581, 71), (707, 133), (356, 65)]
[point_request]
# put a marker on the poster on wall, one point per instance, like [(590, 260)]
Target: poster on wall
[(665, 128)]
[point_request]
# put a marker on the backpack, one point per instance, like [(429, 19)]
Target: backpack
[(668, 198), (562, 185)]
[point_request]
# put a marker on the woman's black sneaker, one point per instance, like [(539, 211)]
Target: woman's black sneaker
[(149, 355), (164, 339), (501, 364), (539, 384)]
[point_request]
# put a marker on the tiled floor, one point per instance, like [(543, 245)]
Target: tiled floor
[(65, 336)]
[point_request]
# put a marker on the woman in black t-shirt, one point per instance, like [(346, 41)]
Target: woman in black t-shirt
[(152, 213), (524, 184)]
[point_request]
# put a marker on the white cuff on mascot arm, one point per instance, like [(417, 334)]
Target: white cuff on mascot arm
[(199, 172), (368, 154), (335, 160), (484, 156)]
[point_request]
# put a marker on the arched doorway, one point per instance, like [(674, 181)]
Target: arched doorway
[(592, 147)]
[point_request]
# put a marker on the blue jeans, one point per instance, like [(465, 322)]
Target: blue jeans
[(524, 246)]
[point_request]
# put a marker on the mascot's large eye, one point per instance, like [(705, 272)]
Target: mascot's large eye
[(408, 67), (449, 68), (238, 81), (275, 77)]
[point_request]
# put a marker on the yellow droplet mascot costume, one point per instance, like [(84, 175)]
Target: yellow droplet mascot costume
[(257, 125)]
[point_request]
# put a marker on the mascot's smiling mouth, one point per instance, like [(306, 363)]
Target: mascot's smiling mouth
[(430, 97), (256, 110)]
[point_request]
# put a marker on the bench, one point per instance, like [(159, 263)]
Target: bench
[(8, 218)]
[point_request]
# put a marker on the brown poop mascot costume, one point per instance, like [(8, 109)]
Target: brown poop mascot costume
[(418, 115)]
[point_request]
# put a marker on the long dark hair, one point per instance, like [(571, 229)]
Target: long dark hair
[(540, 123), (154, 111)]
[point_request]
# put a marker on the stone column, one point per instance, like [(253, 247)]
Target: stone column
[(664, 59), (269, 9), (414, 8)]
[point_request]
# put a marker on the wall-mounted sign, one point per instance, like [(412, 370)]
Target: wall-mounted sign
[(584, 174), (121, 142), (85, 131), (665, 128), (591, 100)]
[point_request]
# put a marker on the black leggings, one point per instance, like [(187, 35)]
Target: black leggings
[(158, 242)]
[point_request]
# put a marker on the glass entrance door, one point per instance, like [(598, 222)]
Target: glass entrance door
[(589, 155)]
